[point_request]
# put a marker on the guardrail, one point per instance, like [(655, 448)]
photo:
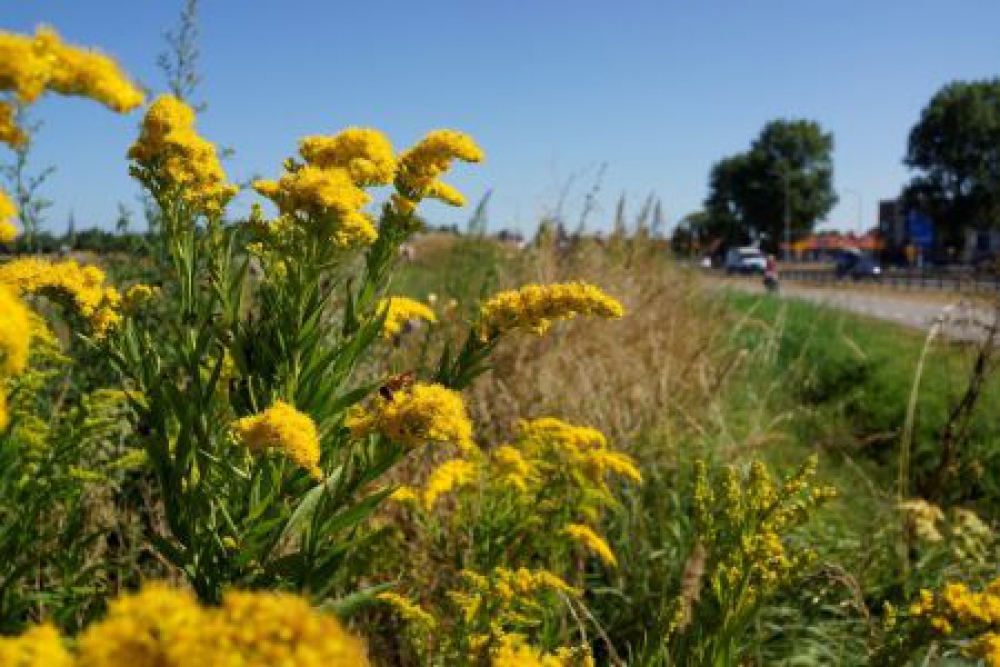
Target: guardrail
[(961, 281)]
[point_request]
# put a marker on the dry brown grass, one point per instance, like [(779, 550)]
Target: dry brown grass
[(653, 369)]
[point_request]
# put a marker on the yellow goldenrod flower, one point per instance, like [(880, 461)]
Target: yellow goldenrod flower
[(536, 307), (557, 433), (514, 651), (987, 647), (79, 287), (166, 627), (41, 646), (409, 611), (317, 191), (141, 629), (4, 413), (15, 333), (261, 629), (400, 311), (590, 540), (405, 494), (524, 582), (31, 65), (510, 467), (8, 231), (170, 155), (599, 462), (446, 193), (421, 166), (286, 430), (421, 414), (446, 477), (365, 154), (328, 196), (10, 133)]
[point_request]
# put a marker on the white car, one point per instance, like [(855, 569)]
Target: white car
[(745, 260)]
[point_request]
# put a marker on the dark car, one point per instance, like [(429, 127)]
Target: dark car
[(857, 267)]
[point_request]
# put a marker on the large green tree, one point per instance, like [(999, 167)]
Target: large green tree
[(955, 148), (789, 164)]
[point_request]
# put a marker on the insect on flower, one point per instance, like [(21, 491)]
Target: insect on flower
[(395, 383)]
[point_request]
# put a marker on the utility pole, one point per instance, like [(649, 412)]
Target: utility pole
[(788, 215)]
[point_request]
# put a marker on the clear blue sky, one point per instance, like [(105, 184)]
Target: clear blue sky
[(658, 90)]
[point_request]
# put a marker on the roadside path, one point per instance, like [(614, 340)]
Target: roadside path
[(964, 319)]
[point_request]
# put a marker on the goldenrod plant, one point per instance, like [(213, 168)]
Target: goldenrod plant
[(166, 626), (510, 534)]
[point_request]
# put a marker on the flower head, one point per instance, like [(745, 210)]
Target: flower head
[(284, 429), (400, 311), (170, 155), (422, 165), (8, 232), (447, 477), (586, 537), (421, 414), (408, 610), (15, 333), (142, 629), (365, 154), (536, 307), (10, 133), (166, 627), (41, 646), (31, 65), (328, 198), (80, 288)]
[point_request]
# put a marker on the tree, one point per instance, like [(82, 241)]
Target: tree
[(787, 175), (955, 147), (725, 217)]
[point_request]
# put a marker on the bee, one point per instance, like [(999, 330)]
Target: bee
[(396, 383)]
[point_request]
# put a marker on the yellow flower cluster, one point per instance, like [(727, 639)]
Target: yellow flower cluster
[(408, 610), (974, 614), (15, 334), (447, 477), (29, 66), (512, 585), (536, 307), (417, 415), (170, 155), (166, 627), (400, 312), (365, 154), (586, 537), (328, 190), (742, 529), (422, 165), (514, 651), (82, 288), (41, 646), (549, 441), (8, 232), (511, 468), (10, 133), (284, 429)]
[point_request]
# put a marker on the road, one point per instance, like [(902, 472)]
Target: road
[(962, 319)]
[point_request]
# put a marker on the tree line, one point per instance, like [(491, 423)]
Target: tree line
[(782, 185)]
